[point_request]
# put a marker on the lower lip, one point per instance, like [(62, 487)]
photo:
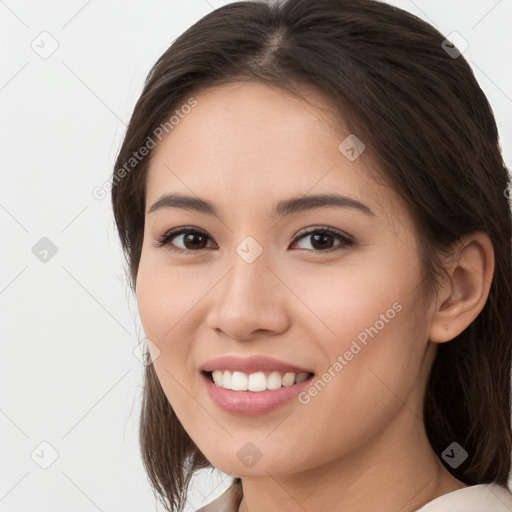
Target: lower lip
[(252, 403)]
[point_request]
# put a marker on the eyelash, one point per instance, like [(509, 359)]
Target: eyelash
[(164, 240)]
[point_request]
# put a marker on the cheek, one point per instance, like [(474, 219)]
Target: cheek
[(162, 300), (165, 300), (361, 297), (165, 295), (371, 329)]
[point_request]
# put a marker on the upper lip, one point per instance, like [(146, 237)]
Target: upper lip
[(251, 364)]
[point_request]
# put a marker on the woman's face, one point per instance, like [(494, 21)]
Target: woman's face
[(259, 280)]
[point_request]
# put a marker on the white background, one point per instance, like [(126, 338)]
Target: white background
[(68, 375)]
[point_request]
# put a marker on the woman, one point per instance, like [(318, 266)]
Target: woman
[(312, 202)]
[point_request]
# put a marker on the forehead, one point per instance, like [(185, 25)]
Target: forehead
[(253, 144)]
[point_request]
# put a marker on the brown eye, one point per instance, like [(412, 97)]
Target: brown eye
[(190, 239), (322, 239)]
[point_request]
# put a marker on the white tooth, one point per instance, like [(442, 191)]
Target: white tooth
[(301, 376), (227, 379), (239, 381), (257, 382), (289, 379), (274, 380), (217, 377)]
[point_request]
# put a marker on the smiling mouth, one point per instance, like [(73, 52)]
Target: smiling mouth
[(257, 381)]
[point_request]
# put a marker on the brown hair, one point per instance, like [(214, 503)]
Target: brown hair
[(425, 120)]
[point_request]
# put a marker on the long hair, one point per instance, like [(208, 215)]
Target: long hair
[(428, 125)]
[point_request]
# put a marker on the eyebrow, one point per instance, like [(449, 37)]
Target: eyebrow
[(282, 208)]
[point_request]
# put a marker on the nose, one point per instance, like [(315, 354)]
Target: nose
[(250, 301)]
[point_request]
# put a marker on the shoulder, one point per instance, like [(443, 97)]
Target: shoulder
[(475, 498)]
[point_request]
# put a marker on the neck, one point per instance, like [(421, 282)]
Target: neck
[(395, 470)]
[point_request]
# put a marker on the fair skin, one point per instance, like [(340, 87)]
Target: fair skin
[(360, 444)]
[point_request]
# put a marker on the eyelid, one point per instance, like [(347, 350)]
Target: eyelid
[(319, 228), (163, 240)]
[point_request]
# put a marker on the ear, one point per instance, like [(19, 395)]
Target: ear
[(465, 291)]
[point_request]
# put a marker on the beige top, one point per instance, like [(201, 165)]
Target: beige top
[(475, 498), (229, 501)]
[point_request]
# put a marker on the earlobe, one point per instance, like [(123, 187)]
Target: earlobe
[(465, 293)]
